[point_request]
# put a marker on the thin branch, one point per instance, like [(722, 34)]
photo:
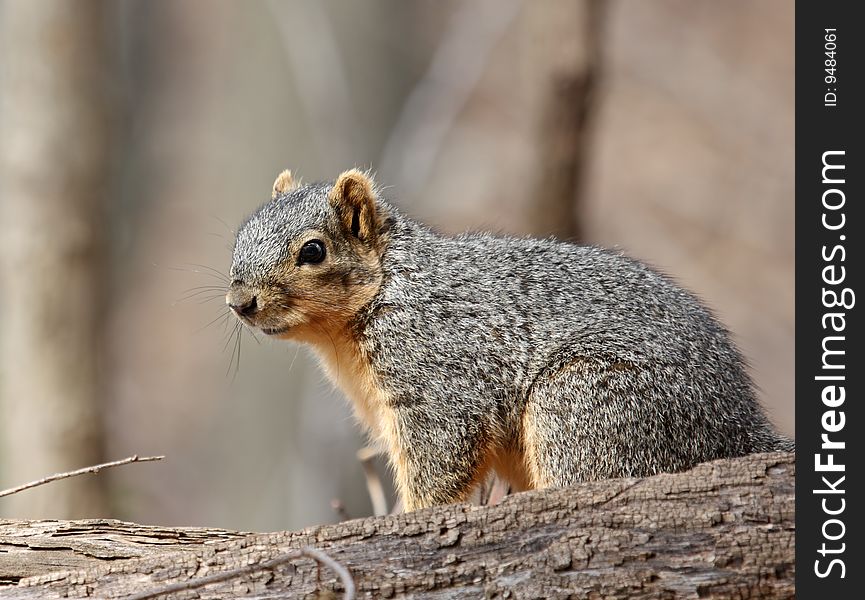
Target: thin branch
[(92, 469), (339, 508), (373, 482), (317, 555), (498, 489)]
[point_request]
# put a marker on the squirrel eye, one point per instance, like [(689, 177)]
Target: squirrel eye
[(311, 252)]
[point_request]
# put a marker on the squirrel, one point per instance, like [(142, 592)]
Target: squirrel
[(549, 363)]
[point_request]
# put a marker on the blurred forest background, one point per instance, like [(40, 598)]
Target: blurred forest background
[(135, 135)]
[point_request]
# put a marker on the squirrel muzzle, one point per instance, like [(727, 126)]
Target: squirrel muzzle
[(255, 307), (242, 300)]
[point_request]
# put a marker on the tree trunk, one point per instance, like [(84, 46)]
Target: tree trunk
[(722, 530), (565, 38), (53, 155)]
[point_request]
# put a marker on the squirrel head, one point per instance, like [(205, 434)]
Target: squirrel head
[(307, 261)]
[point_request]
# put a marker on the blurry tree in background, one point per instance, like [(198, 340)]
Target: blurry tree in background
[(514, 83), (664, 127), (54, 169)]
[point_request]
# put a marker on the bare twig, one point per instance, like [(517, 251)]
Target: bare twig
[(499, 488), (92, 469), (339, 508), (317, 555), (373, 481)]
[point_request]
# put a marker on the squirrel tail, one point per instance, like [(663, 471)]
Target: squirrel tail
[(783, 444)]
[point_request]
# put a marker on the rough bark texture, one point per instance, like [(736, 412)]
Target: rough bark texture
[(723, 530)]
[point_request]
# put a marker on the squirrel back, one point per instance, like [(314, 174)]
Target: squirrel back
[(549, 362)]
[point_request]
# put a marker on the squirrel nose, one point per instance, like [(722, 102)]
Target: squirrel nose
[(246, 307), (241, 300)]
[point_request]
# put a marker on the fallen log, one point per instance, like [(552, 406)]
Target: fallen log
[(724, 529)]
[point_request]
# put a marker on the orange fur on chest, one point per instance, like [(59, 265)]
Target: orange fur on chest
[(349, 369)]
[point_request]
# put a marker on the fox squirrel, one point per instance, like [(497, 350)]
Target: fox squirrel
[(550, 363)]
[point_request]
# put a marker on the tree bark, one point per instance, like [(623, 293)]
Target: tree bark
[(722, 530), (53, 167)]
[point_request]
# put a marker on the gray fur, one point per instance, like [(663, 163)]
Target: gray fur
[(618, 370)]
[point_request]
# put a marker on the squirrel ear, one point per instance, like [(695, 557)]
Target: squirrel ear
[(353, 198), (284, 183)]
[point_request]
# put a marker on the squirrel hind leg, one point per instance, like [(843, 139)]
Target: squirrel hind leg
[(589, 420)]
